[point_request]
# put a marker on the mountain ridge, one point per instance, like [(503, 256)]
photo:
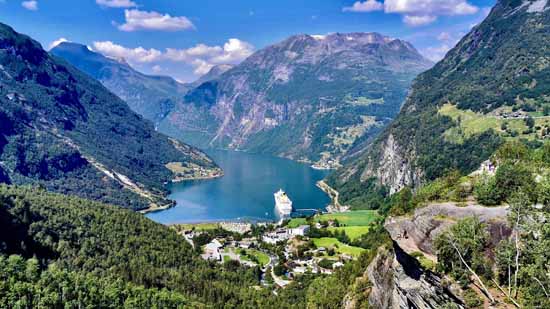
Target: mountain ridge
[(307, 98), (152, 96), (439, 128), (63, 130)]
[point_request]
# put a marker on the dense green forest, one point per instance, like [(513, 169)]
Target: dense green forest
[(58, 123), (65, 250)]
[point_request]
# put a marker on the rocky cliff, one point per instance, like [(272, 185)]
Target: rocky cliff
[(458, 112), (397, 278), (309, 98)]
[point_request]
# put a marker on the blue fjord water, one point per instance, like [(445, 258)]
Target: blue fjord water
[(245, 192)]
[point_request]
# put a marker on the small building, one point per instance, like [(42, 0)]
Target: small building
[(212, 251), (299, 231)]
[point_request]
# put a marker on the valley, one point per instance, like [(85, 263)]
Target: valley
[(176, 159)]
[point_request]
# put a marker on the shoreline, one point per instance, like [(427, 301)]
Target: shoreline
[(335, 205), (155, 208), (219, 174)]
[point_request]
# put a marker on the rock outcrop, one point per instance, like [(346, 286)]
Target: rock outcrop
[(417, 233), (399, 282)]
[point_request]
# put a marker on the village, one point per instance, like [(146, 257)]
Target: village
[(282, 251)]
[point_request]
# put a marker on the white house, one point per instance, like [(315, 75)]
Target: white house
[(212, 251), (299, 231)]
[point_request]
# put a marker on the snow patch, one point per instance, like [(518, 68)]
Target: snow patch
[(537, 6), (319, 37)]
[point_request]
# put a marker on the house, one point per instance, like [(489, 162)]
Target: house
[(299, 231), (212, 251)]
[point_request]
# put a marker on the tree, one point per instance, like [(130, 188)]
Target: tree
[(460, 251)]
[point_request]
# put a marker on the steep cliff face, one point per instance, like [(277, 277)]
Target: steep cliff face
[(459, 111), (398, 280), (307, 98)]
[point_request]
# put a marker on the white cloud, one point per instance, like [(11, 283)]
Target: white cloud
[(143, 20), (436, 53), (444, 36), (135, 55), (157, 68), (30, 5), (367, 6), (201, 56), (417, 12), (430, 7), (57, 42), (414, 21), (116, 3)]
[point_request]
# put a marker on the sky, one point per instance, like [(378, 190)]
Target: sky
[(185, 38)]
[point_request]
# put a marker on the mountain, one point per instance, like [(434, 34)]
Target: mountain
[(215, 72), (309, 98), (153, 97), (63, 130), (493, 86)]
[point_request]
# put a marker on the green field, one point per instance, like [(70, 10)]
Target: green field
[(472, 123), (198, 226), (351, 218), (263, 258), (338, 246), (353, 232), (297, 222)]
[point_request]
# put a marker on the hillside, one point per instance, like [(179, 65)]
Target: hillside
[(63, 130), (309, 98), (103, 256), (153, 97), (492, 87)]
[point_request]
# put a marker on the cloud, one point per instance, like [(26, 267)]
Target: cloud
[(444, 36), (417, 12), (436, 53), (143, 20), (30, 5), (135, 55), (57, 42), (430, 7), (116, 3), (414, 21), (157, 68), (201, 56), (367, 6)]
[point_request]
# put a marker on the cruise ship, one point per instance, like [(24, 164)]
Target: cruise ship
[(282, 203)]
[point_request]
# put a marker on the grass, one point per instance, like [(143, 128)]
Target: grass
[(338, 246), (472, 123), (296, 222), (351, 218), (198, 226), (262, 257), (353, 232)]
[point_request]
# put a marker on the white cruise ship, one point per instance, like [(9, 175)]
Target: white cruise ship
[(282, 203)]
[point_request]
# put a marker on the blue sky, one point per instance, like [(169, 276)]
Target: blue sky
[(184, 38)]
